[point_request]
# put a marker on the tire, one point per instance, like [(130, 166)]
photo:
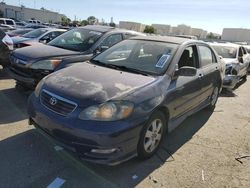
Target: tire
[(213, 98), (244, 78), (152, 135)]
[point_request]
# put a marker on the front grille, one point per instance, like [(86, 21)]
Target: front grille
[(56, 103)]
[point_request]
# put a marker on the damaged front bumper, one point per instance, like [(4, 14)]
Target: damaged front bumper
[(230, 81)]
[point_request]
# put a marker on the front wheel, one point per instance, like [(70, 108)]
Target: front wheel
[(213, 98), (152, 135)]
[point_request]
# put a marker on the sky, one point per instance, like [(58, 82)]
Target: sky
[(211, 15)]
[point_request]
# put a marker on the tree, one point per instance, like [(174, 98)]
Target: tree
[(92, 20), (84, 22), (65, 20), (112, 25), (149, 29)]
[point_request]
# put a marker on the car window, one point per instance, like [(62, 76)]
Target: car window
[(35, 34), (111, 40), (225, 51), (244, 50), (9, 22), (240, 53), (206, 56), (189, 58), (146, 56), (79, 39), (2, 22)]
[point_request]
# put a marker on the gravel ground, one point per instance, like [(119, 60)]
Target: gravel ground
[(206, 150)]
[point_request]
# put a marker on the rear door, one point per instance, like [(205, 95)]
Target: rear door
[(210, 71)]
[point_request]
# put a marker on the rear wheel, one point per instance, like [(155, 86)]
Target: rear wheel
[(152, 135), (213, 98)]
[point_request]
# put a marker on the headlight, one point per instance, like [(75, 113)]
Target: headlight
[(46, 64), (39, 87), (109, 111)]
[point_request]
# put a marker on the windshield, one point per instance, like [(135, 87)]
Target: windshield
[(35, 34), (226, 51), (150, 57), (79, 39)]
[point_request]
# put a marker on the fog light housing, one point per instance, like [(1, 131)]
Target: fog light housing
[(104, 151)]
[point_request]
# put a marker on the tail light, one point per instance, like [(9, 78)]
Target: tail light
[(8, 42)]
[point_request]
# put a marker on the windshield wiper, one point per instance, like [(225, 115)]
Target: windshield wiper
[(129, 69), (120, 67)]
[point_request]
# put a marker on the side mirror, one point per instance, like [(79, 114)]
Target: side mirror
[(45, 40), (101, 49), (241, 59), (186, 71)]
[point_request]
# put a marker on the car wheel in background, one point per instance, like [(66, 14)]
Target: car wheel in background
[(152, 135)]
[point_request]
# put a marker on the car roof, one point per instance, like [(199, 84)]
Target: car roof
[(99, 28), (175, 40)]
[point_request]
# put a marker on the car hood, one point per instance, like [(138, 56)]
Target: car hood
[(88, 84), (42, 51)]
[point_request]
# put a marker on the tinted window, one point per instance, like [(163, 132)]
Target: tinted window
[(2, 22), (206, 55), (35, 34), (145, 56), (9, 22), (79, 39), (111, 40), (240, 54)]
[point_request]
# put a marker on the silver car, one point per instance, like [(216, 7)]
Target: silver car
[(237, 61)]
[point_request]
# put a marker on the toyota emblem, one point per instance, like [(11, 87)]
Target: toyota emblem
[(53, 101)]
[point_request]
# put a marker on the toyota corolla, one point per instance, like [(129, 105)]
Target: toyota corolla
[(122, 103)]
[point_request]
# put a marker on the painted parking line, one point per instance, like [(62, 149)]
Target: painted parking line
[(57, 183)]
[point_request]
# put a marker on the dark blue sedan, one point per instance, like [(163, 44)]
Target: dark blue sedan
[(122, 103)]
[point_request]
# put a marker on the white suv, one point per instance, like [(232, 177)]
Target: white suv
[(8, 22)]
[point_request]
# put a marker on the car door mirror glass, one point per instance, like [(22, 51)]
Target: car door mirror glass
[(186, 71)]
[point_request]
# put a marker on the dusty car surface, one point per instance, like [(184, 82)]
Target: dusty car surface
[(31, 64), (237, 62), (122, 103)]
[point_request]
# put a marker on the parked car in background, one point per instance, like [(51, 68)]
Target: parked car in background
[(20, 24), (122, 102), (247, 47), (18, 32), (43, 35), (31, 64), (8, 22), (35, 26), (237, 62), (6, 46), (34, 22)]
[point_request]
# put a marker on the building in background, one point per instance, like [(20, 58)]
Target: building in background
[(199, 33), (162, 29), (132, 26), (23, 14), (236, 35)]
